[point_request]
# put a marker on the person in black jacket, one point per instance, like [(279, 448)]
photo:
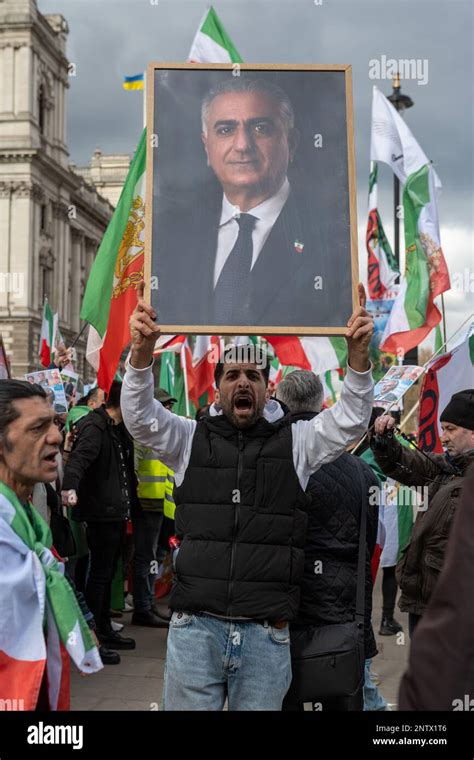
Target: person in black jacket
[(100, 483), (328, 589)]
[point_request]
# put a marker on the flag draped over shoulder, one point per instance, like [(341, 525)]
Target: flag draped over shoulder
[(111, 293), (382, 266), (414, 313), (445, 375), (40, 620)]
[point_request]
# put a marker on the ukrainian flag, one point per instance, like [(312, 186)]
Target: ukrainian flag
[(134, 83)]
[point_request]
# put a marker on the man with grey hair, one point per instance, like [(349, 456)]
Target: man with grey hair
[(301, 391), (259, 242), (328, 589)]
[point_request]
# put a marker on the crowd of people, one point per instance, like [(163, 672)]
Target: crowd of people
[(258, 520)]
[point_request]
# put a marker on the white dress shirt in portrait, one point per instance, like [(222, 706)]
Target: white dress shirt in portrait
[(266, 214)]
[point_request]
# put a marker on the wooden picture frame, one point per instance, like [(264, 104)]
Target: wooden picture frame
[(175, 278), (5, 371)]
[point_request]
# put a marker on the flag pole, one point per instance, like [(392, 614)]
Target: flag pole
[(413, 409), (78, 335), (144, 99), (444, 317), (185, 370)]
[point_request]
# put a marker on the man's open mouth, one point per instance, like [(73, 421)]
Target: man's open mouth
[(243, 403), (51, 458)]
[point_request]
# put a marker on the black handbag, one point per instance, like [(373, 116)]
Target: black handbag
[(328, 661), (63, 538)]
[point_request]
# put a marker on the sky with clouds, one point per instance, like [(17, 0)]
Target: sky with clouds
[(109, 39)]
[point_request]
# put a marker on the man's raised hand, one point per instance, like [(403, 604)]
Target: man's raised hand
[(360, 328), (143, 330)]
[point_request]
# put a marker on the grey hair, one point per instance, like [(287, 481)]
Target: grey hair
[(243, 84), (301, 391)]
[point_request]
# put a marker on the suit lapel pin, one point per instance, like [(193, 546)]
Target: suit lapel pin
[(298, 245)]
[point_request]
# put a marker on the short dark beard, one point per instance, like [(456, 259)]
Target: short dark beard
[(243, 424)]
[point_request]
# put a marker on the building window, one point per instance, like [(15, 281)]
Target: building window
[(45, 284), (43, 217), (41, 109), (46, 275)]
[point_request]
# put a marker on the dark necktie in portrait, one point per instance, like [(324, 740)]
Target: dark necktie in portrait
[(232, 291)]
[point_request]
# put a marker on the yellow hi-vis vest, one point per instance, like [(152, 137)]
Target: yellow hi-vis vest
[(152, 475), (169, 505)]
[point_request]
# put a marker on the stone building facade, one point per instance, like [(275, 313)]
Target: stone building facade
[(52, 217)]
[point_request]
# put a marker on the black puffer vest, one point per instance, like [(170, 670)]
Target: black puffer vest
[(241, 519)]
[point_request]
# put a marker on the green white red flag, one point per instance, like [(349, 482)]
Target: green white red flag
[(414, 313), (381, 264), (205, 355), (316, 354), (176, 371), (49, 325), (212, 44), (329, 398)]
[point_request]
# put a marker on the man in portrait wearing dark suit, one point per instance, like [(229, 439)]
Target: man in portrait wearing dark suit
[(250, 249)]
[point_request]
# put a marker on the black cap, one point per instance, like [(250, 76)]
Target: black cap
[(460, 410)]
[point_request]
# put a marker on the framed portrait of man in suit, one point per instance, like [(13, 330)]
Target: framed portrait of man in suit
[(250, 206)]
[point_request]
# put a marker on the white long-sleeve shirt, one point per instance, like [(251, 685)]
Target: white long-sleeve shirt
[(315, 442)]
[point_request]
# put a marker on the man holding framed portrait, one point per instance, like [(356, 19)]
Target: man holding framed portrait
[(240, 477)]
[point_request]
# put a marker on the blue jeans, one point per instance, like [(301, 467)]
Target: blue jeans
[(373, 700), (146, 532), (209, 660)]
